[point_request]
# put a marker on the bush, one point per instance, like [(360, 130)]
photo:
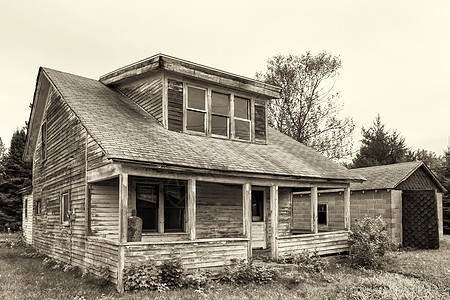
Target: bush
[(306, 261), (369, 242), (171, 273), (244, 273)]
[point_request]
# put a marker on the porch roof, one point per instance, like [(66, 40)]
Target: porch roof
[(124, 131)]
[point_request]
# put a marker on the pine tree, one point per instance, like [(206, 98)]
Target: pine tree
[(16, 175), (381, 147)]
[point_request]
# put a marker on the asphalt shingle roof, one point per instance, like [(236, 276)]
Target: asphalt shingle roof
[(124, 131), (384, 177)]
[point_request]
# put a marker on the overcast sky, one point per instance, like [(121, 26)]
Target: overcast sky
[(395, 54)]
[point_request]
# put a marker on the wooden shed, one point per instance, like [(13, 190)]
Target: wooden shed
[(187, 147), (407, 195)]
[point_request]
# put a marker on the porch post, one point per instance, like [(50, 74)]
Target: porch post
[(247, 217), (191, 205), (274, 220), (314, 205), (123, 227), (347, 208)]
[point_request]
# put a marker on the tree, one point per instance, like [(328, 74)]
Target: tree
[(16, 175), (308, 110), (2, 154), (381, 147)]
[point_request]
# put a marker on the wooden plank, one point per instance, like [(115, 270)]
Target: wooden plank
[(161, 208), (347, 208), (274, 220), (247, 216), (191, 206), (314, 206), (103, 173)]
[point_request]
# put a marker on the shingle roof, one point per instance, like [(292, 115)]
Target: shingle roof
[(124, 131), (387, 176)]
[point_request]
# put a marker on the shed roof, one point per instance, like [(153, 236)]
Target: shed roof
[(390, 176), (124, 131)]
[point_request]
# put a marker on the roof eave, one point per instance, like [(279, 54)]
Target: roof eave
[(191, 70)]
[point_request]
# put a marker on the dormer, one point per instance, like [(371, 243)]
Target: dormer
[(195, 99)]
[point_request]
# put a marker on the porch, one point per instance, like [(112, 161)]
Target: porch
[(207, 221)]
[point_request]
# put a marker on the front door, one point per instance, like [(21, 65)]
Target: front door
[(259, 240)]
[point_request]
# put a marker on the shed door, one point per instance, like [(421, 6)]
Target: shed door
[(259, 225), (420, 219)]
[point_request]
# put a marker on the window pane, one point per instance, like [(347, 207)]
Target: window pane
[(257, 206), (195, 121), (174, 208), (241, 108), (242, 129), (219, 125), (147, 206), (196, 98), (65, 207), (220, 104)]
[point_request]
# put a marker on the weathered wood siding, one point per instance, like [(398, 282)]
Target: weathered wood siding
[(175, 105), (105, 209), (27, 219), (102, 253), (193, 254), (65, 170), (219, 210), (323, 243), (301, 212), (260, 122), (259, 235), (95, 155), (147, 93)]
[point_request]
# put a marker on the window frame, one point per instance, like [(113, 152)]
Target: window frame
[(187, 108), (26, 208), (64, 219), (228, 116), (161, 205), (319, 205), (38, 208), (249, 120)]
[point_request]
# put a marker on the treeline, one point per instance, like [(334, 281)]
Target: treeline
[(15, 174)]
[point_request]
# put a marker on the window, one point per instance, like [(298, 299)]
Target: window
[(172, 210), (196, 110), (242, 118), (26, 209), (322, 214), (64, 206), (38, 207), (147, 205), (44, 140), (220, 112), (257, 206)]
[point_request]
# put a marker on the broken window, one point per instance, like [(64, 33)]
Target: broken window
[(322, 214), (174, 208), (147, 206)]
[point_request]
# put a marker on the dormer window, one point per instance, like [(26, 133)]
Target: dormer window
[(242, 118), (196, 110), (220, 114)]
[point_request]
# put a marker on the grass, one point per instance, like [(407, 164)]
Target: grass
[(410, 275)]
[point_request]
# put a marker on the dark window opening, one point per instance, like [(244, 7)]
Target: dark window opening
[(38, 207), (26, 208), (257, 206), (147, 206), (64, 207), (220, 111), (322, 214), (196, 109), (174, 208)]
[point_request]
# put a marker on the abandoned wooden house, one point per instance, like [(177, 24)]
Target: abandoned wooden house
[(408, 197), (185, 146)]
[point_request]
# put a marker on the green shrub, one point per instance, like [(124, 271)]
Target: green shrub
[(244, 273), (171, 273), (306, 261), (139, 277), (369, 242)]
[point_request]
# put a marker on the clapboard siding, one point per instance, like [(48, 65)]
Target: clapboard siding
[(284, 211), (102, 253), (65, 170), (198, 254), (105, 209), (175, 105), (27, 218), (323, 243), (147, 94), (95, 155), (219, 210)]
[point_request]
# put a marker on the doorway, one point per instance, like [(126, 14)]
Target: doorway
[(259, 218)]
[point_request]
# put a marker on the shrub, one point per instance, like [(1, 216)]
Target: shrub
[(369, 242), (306, 261), (138, 277), (171, 273), (244, 273)]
